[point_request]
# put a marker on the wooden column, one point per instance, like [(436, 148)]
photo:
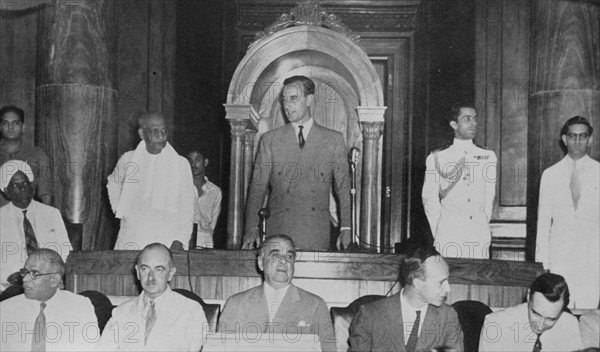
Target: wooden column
[(76, 111), (248, 159), (565, 81), (238, 116), (371, 120)]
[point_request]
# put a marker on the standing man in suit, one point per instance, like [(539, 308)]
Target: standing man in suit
[(459, 190), (414, 319), (568, 227), (540, 324), (277, 306), (301, 162), (159, 319), (25, 224)]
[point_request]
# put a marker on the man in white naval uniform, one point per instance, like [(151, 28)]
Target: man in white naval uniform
[(459, 190), (568, 227)]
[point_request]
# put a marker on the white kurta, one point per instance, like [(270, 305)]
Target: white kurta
[(147, 220), (49, 229), (180, 325), (71, 323), (208, 208), (568, 239), (460, 221)]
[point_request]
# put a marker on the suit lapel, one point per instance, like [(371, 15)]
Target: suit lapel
[(392, 322), (430, 324), (257, 309), (287, 309)]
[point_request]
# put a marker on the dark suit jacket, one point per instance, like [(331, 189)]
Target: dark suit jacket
[(378, 327), (300, 312), (300, 180)]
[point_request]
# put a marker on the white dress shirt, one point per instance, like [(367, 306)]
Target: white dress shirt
[(71, 323), (409, 315), (180, 325), (49, 229), (208, 208)]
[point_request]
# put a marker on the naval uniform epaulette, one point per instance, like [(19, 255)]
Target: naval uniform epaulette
[(440, 149), (482, 146)]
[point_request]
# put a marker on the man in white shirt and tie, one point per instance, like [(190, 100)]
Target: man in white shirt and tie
[(416, 318), (159, 319), (26, 224), (45, 317), (568, 226)]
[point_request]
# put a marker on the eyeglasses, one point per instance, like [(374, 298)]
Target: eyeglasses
[(289, 257), (574, 136), (34, 274)]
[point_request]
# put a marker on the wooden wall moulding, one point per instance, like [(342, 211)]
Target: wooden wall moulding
[(379, 16)]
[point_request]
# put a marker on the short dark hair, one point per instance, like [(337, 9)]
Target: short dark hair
[(552, 286), (156, 245), (412, 264), (197, 151), (308, 86), (576, 120), (275, 237), (455, 110), (12, 108)]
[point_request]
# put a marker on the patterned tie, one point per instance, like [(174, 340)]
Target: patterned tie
[(301, 137), (150, 320), (537, 347), (411, 345), (274, 306), (30, 240), (576, 183), (38, 342)]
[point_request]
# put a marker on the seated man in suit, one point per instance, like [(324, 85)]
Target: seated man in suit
[(277, 306), (158, 319), (540, 324), (414, 319), (26, 224), (46, 318)]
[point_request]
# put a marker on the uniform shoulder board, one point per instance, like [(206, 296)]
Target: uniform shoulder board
[(448, 145), (482, 146)]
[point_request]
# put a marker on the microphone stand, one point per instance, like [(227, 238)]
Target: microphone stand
[(263, 215), (354, 159)]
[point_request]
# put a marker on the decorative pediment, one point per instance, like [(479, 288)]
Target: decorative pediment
[(307, 13)]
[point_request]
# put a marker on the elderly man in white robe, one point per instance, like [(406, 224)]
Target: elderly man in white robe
[(151, 191)]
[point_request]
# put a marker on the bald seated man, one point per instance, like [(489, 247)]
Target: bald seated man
[(151, 191), (163, 319), (278, 306), (45, 317)]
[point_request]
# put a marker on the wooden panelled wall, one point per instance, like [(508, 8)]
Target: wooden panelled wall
[(339, 278)]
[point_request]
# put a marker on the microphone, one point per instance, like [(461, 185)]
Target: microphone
[(263, 215), (354, 156)]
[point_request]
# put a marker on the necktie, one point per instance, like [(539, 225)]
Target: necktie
[(411, 345), (576, 184), (150, 319), (30, 240), (39, 331), (274, 306), (537, 347), (301, 137)]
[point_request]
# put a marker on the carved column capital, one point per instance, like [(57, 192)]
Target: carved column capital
[(249, 135), (372, 130), (238, 128)]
